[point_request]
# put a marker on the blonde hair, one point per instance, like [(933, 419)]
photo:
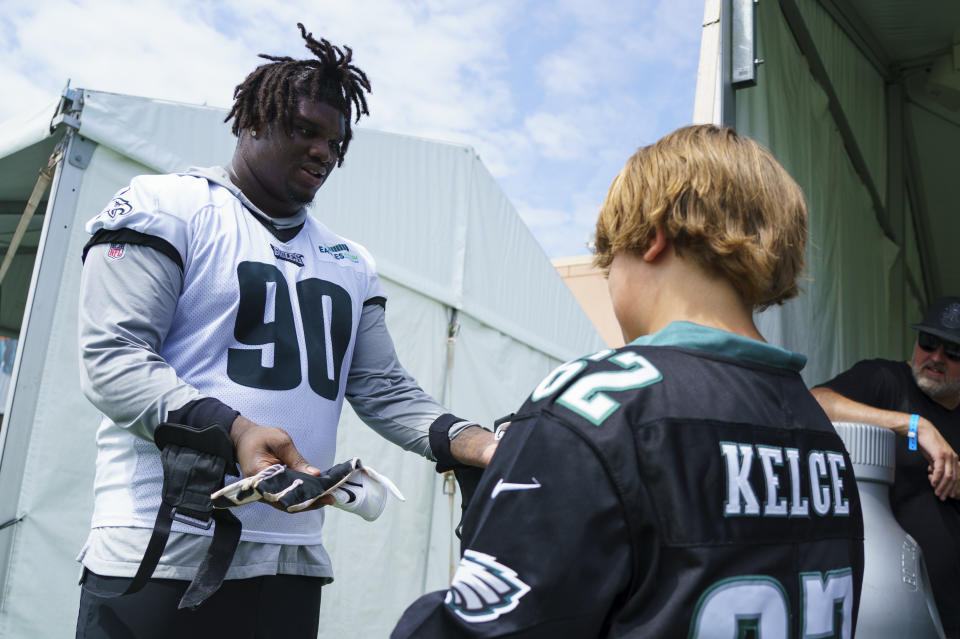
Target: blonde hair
[(723, 201)]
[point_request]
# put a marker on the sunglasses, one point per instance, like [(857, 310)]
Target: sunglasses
[(930, 343)]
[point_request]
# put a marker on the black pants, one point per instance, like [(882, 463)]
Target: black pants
[(285, 606)]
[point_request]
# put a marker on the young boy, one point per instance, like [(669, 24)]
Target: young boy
[(686, 484)]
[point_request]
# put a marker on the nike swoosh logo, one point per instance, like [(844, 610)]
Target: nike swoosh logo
[(503, 486), (350, 494)]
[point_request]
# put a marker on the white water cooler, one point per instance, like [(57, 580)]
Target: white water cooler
[(896, 601)]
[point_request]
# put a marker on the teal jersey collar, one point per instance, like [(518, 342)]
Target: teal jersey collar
[(714, 340)]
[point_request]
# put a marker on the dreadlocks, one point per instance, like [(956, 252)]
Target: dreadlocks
[(271, 91)]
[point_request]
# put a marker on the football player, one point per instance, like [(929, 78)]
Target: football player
[(221, 322), (686, 484)]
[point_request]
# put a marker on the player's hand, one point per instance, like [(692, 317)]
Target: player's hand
[(944, 475), (261, 446)]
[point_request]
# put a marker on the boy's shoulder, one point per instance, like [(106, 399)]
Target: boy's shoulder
[(595, 386), (634, 385)]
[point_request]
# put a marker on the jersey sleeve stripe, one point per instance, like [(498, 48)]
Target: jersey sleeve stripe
[(129, 236)]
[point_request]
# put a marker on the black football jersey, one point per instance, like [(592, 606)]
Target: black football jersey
[(691, 488)]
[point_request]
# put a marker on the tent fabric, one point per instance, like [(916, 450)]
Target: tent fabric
[(25, 130), (937, 169), (449, 246), (860, 89), (856, 301)]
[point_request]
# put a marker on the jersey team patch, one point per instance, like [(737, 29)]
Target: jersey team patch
[(116, 250), (287, 256), (484, 589), (117, 207)]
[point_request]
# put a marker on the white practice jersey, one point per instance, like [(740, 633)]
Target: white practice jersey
[(265, 326)]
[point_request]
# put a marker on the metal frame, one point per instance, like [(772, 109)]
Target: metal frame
[(34, 335), (743, 44), (728, 96)]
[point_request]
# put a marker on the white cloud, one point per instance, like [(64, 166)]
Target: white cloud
[(553, 97), (557, 136), (559, 232), (541, 218)]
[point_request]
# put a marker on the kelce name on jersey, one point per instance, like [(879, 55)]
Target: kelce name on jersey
[(819, 469)]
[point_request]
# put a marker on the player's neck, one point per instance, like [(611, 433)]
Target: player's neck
[(245, 179)]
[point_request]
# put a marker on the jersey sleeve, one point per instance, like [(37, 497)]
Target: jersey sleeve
[(546, 547), (376, 294), (127, 300), (154, 210), (384, 395)]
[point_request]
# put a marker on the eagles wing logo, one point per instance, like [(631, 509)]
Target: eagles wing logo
[(118, 207), (484, 589)]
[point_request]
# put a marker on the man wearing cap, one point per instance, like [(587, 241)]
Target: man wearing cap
[(918, 401)]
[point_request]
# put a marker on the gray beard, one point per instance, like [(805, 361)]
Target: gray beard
[(936, 390)]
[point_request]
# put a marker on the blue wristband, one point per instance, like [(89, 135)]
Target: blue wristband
[(912, 433)]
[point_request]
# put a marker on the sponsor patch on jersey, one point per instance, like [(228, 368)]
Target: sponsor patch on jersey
[(118, 207), (287, 256), (339, 252), (483, 589), (116, 250)]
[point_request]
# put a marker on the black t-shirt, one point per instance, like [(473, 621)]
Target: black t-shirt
[(934, 524), (659, 492)]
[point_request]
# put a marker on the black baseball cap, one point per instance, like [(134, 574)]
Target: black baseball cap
[(942, 319)]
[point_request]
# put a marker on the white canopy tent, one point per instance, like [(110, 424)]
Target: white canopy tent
[(860, 101), (477, 312)]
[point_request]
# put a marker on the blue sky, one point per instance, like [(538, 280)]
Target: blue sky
[(553, 95)]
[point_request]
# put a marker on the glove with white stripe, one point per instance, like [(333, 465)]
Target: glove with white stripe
[(355, 488)]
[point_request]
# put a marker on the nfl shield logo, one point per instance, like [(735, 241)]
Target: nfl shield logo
[(116, 251)]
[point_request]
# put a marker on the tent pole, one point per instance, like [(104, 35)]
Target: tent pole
[(27, 374), (728, 97), (448, 485), (449, 481)]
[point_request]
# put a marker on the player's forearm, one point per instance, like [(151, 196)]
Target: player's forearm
[(842, 409), (383, 394), (474, 446)]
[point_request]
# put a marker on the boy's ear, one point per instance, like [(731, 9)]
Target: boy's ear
[(656, 248)]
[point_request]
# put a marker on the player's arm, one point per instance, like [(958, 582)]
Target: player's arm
[(945, 476), (390, 401), (546, 550), (127, 304)]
